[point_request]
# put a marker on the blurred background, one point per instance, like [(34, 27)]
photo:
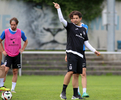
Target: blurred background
[(39, 20), (46, 35)]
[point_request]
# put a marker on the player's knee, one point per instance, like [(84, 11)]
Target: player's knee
[(83, 74), (15, 72)]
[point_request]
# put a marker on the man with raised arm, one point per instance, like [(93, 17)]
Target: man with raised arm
[(76, 38)]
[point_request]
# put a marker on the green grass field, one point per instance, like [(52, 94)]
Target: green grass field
[(49, 87)]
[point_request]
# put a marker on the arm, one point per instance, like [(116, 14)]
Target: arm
[(0, 53), (66, 57), (24, 46), (87, 44), (62, 20), (24, 38), (2, 49)]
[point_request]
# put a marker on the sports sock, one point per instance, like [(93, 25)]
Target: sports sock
[(64, 88), (13, 85), (78, 90), (1, 82), (84, 90), (75, 90)]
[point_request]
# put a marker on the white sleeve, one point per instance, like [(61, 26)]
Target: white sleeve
[(88, 45), (62, 20)]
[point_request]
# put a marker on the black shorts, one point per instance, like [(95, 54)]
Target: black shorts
[(74, 63), (14, 61), (84, 60)]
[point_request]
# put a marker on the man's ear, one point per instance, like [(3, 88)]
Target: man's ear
[(81, 18)]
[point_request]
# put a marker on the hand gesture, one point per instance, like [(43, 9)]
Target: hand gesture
[(56, 5), (4, 53), (21, 50), (97, 53)]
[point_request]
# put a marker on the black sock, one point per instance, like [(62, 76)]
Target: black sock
[(75, 91), (64, 88)]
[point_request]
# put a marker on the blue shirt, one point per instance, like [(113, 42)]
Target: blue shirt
[(13, 32), (86, 27)]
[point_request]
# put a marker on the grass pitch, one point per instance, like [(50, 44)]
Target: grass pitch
[(50, 87)]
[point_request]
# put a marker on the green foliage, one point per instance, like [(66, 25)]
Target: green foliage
[(90, 9)]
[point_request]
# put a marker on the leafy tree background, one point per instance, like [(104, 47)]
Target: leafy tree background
[(90, 9)]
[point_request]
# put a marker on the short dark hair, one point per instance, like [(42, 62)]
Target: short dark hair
[(14, 19), (75, 13)]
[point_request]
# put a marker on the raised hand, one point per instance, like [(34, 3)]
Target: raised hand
[(56, 5)]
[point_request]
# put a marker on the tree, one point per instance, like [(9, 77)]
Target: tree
[(90, 9)]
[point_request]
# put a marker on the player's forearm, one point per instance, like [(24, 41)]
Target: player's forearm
[(87, 44), (24, 45), (62, 20), (0, 57), (1, 47)]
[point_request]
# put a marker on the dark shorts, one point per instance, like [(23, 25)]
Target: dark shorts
[(74, 63), (84, 60), (14, 61)]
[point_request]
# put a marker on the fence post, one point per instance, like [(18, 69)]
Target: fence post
[(21, 65)]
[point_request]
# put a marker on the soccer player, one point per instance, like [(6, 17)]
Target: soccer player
[(12, 49), (83, 75), (2, 73), (76, 37)]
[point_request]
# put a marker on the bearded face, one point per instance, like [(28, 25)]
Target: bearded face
[(13, 25)]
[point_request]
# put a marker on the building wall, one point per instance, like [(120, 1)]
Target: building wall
[(98, 32), (43, 29)]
